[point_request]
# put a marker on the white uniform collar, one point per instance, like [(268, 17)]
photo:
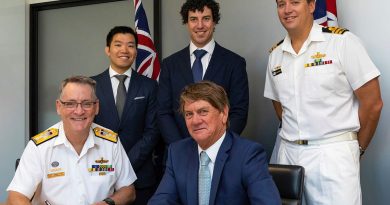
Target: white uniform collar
[(61, 139), (314, 35)]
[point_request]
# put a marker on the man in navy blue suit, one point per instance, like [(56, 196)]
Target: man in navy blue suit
[(215, 166), (219, 65), (135, 120)]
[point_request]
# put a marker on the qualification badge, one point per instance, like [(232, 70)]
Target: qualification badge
[(317, 60), (101, 168)]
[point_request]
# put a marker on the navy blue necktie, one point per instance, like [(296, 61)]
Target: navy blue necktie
[(197, 68)]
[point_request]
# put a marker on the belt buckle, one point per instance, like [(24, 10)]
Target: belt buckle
[(301, 142)]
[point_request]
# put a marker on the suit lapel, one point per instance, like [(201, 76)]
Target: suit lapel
[(192, 175), (108, 96), (131, 93), (219, 164), (215, 63), (185, 65)]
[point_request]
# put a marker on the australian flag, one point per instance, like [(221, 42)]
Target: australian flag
[(147, 62), (326, 12)]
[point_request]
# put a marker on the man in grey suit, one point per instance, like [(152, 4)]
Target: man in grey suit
[(214, 63)]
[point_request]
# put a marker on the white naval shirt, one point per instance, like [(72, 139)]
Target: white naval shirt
[(68, 178), (318, 100)]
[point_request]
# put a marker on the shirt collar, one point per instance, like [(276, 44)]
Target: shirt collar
[(212, 151), (61, 139), (209, 47), (314, 35), (112, 72)]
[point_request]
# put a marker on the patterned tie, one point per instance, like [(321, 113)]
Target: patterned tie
[(121, 94), (204, 179), (197, 68)]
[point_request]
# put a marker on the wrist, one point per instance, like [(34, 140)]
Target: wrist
[(362, 150), (109, 201)]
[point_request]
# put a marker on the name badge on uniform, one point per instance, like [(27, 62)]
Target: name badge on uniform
[(55, 171), (318, 60), (277, 70)]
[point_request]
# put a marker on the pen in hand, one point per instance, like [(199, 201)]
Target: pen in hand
[(47, 202)]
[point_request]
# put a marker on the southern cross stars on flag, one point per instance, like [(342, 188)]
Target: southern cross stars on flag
[(147, 62), (326, 12)]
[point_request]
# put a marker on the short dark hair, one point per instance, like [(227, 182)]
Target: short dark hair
[(83, 80), (123, 30), (207, 91), (193, 5)]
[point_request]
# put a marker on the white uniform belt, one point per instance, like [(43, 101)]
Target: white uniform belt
[(339, 138)]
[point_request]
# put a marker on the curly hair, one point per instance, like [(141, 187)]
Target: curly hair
[(193, 5)]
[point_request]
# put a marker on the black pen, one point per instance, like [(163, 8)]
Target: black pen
[(47, 202)]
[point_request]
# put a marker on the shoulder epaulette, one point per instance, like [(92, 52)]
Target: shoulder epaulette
[(275, 46), (106, 134), (335, 30), (45, 136)]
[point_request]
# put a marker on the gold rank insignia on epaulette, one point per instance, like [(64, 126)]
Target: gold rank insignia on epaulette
[(275, 46), (45, 136), (106, 134), (335, 30)]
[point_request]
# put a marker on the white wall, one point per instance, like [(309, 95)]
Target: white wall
[(12, 88), (368, 20)]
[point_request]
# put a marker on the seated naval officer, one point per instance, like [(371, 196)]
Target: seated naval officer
[(75, 161)]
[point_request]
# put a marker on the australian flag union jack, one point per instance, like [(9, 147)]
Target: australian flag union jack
[(326, 12), (147, 62)]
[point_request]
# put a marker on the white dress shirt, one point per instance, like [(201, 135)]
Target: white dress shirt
[(212, 152), (209, 47), (115, 81)]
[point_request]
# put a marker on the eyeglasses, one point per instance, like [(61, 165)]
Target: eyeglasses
[(86, 105)]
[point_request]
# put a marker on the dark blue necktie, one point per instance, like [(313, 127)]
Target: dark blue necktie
[(197, 68)]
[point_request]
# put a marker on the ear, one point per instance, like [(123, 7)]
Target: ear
[(225, 114), (58, 107), (312, 6), (107, 50), (97, 107)]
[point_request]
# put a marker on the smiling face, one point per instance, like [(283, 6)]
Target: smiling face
[(77, 121), (205, 123), (201, 26), (122, 52), (296, 16)]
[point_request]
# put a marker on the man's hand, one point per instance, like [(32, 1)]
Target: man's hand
[(123, 196)]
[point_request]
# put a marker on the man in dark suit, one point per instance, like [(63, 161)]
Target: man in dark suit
[(129, 108), (218, 64), (215, 166)]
